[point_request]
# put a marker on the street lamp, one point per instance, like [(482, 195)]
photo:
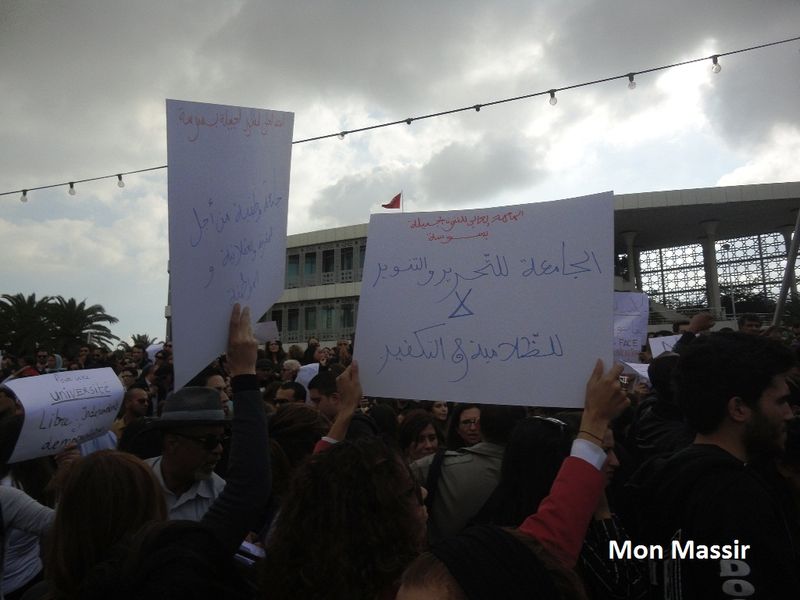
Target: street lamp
[(727, 248)]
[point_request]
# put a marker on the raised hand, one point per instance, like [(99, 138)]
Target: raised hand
[(242, 346)]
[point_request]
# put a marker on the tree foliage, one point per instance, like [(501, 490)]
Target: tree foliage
[(55, 323), (141, 339)]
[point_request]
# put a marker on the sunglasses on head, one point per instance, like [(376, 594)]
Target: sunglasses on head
[(557, 422), (207, 442)]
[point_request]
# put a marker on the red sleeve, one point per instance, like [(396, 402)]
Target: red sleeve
[(322, 446), (563, 517)]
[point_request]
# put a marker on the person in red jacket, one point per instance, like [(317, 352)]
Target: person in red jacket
[(534, 560)]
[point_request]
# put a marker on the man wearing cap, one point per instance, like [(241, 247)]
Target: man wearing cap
[(193, 427)]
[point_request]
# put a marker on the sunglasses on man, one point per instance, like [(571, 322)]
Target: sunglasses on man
[(207, 442)]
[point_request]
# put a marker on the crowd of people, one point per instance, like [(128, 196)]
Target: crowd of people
[(271, 475)]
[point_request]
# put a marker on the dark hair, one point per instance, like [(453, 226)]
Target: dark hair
[(294, 429), (106, 496), (201, 379), (676, 326), (498, 421), (660, 371), (428, 571), (413, 424), (532, 458), (454, 440), (133, 371), (167, 560), (276, 357), (299, 390), (323, 382), (719, 366), (349, 503), (748, 318)]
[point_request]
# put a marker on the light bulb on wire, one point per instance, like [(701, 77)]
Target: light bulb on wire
[(553, 100), (120, 183), (24, 197), (631, 82), (716, 67), (72, 191), (341, 135)]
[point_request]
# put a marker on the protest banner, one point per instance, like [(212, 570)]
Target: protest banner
[(228, 194), (64, 408), (509, 305), (659, 345), (631, 311)]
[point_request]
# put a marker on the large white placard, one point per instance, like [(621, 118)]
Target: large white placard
[(631, 312), (64, 408), (509, 305), (228, 194)]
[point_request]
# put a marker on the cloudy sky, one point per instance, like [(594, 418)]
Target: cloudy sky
[(84, 82)]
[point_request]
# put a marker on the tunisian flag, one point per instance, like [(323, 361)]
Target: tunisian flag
[(394, 203)]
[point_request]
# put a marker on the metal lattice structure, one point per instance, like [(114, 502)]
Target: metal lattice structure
[(676, 276)]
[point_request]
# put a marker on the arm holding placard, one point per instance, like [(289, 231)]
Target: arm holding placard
[(249, 477)]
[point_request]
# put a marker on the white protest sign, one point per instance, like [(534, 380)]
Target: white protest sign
[(228, 194), (509, 305), (631, 311), (64, 408), (659, 345), (266, 331), (639, 369)]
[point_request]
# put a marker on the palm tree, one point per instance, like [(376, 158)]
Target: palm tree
[(142, 339), (24, 323), (74, 323)]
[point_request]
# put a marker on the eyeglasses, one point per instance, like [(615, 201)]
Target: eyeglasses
[(469, 422), (207, 442)]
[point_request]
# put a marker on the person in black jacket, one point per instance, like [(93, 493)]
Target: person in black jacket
[(120, 545), (705, 501)]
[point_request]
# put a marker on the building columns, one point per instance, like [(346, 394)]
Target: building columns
[(631, 254), (710, 267), (787, 231)]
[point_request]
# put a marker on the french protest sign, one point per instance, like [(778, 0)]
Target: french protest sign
[(64, 408), (631, 312)]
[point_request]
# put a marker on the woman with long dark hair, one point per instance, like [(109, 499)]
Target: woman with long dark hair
[(464, 428), (352, 521), (533, 457), (275, 353)]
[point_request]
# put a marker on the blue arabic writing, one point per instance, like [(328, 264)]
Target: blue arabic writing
[(432, 343)]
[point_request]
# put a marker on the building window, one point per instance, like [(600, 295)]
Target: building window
[(327, 317), (277, 316), (347, 258), (311, 317), (310, 263), (362, 252), (328, 261), (294, 319), (293, 267), (347, 316)]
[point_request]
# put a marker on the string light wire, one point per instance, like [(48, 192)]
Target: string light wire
[(473, 107)]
